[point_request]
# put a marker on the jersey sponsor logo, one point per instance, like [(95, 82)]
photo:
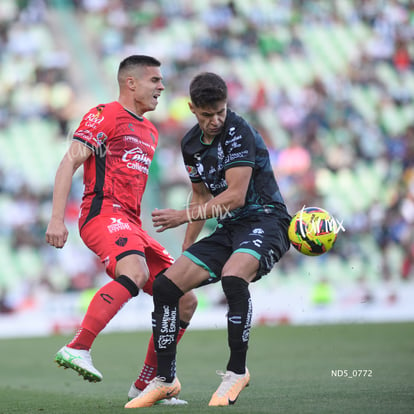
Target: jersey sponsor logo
[(117, 225), (93, 120), (220, 153), (131, 138), (233, 140), (136, 159), (84, 134), (258, 230), (215, 187), (136, 140), (234, 145), (236, 155)]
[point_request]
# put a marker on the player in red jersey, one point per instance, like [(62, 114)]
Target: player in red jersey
[(115, 144)]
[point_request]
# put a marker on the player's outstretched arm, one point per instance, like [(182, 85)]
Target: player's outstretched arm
[(170, 218), (56, 232), (200, 196), (237, 178)]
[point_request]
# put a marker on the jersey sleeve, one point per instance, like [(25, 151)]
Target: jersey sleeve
[(94, 128), (190, 164), (239, 147)]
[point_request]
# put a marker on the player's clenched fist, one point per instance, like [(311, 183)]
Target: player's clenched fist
[(56, 233)]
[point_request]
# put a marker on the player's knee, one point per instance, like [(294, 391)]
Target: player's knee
[(135, 268), (235, 288), (188, 305), (139, 278), (165, 291), (129, 284)]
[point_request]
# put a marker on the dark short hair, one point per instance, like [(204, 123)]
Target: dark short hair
[(138, 60), (206, 89)]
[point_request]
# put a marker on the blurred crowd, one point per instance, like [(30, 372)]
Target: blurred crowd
[(316, 128)]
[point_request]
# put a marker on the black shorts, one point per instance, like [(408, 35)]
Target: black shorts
[(264, 236)]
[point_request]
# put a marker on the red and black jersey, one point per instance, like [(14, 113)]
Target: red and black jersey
[(115, 176)]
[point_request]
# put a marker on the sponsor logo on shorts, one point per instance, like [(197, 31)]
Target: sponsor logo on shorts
[(165, 251), (118, 225)]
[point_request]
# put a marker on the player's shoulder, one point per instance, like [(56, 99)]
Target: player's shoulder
[(99, 113), (191, 137), (235, 121), (237, 128)]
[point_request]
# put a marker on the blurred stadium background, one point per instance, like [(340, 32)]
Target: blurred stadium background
[(330, 85)]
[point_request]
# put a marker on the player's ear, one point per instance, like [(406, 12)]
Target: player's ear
[(191, 106), (130, 83)]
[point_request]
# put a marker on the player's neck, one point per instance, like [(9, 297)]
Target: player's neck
[(206, 139), (132, 112), (130, 107)]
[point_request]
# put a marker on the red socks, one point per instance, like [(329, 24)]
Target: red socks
[(149, 370), (103, 307)]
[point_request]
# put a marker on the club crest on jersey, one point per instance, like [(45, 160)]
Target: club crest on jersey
[(118, 225)]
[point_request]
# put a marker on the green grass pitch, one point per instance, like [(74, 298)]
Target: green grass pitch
[(293, 370)]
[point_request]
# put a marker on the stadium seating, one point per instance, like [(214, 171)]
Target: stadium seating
[(256, 48)]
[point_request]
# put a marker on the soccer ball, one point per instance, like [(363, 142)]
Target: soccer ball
[(312, 231)]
